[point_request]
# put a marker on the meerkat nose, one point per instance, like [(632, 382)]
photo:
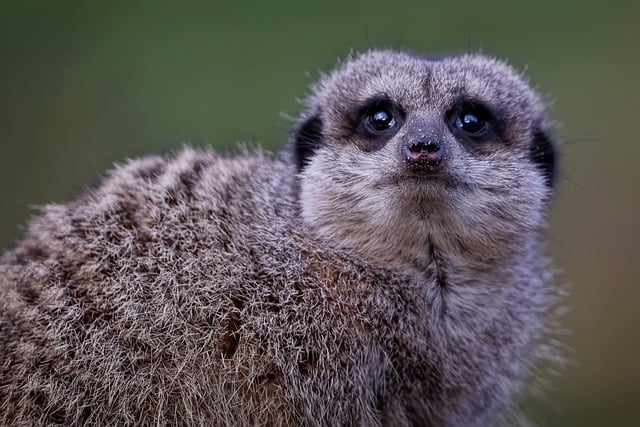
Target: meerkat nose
[(423, 151)]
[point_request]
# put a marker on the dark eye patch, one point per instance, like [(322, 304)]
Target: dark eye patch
[(375, 121), (473, 122)]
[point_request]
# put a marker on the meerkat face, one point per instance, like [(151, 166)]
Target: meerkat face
[(395, 151)]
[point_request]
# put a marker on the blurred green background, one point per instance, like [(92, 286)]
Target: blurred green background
[(84, 84)]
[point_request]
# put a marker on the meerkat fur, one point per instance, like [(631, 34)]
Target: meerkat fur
[(386, 269)]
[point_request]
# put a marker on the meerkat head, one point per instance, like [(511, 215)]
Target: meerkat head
[(397, 153)]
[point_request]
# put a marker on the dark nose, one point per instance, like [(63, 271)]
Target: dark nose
[(426, 151)]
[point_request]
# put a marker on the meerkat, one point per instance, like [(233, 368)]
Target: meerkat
[(386, 268)]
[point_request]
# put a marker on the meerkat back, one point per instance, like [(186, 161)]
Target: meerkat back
[(386, 269)]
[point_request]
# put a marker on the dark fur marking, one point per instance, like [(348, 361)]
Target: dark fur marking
[(28, 293), (266, 378), (20, 259), (436, 270), (152, 172), (308, 138), (55, 416), (461, 245), (128, 215), (86, 413), (91, 315), (441, 277), (34, 253), (307, 360), (225, 236), (28, 254), (37, 397), (543, 154), (170, 198), (231, 338), (189, 178), (272, 303)]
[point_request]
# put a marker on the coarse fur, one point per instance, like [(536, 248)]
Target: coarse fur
[(337, 284)]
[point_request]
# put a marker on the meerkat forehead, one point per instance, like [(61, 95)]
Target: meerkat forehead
[(424, 84)]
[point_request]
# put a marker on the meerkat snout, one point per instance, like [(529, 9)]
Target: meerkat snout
[(428, 151), (421, 140)]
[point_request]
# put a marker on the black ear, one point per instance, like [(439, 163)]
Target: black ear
[(543, 154), (307, 138)]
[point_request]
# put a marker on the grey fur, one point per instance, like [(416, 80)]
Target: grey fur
[(199, 289)]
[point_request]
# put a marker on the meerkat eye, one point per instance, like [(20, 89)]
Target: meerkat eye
[(377, 119), (473, 120), (380, 120), (471, 124)]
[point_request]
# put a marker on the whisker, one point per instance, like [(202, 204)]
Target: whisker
[(580, 187)]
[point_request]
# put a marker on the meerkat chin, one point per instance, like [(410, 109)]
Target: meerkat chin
[(386, 269)]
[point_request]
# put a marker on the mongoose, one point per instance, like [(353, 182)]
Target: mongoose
[(386, 268)]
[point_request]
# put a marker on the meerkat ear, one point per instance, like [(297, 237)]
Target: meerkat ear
[(307, 138), (543, 154)]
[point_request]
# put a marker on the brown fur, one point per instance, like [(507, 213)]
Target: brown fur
[(199, 289)]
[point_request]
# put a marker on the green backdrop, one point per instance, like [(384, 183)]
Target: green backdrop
[(84, 84)]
